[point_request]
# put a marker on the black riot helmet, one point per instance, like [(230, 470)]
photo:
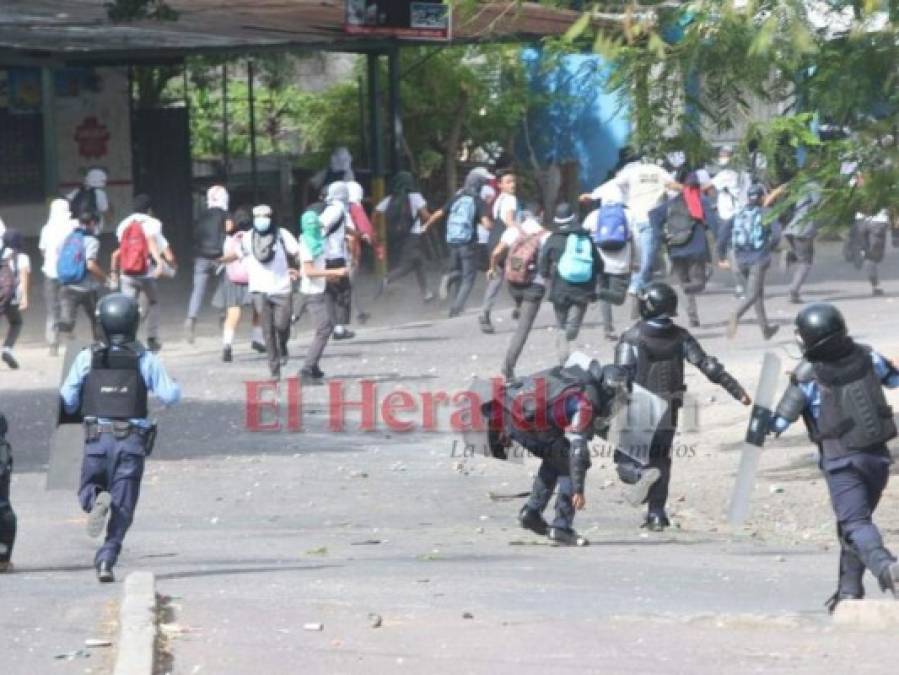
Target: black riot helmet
[(820, 330), (755, 194), (658, 299), (119, 316)]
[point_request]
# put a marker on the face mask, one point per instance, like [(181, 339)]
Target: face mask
[(262, 224), (723, 161)]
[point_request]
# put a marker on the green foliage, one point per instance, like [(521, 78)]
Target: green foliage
[(134, 10)]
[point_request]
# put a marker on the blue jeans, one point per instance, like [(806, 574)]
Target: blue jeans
[(648, 244)]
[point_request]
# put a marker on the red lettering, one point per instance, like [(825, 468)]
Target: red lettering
[(397, 402), (338, 406), (469, 418), (534, 403), (255, 406), (429, 414), (294, 405)]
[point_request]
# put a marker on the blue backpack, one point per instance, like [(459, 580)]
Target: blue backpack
[(576, 263), (749, 233), (71, 267), (611, 228), (460, 221)]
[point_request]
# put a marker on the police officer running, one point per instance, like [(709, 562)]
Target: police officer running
[(653, 351), (109, 384), (837, 389)]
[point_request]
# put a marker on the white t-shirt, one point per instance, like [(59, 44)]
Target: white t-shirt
[(273, 277), (503, 204), (311, 285), (335, 243), (529, 227), (644, 187), (614, 262), (152, 231), (23, 264), (731, 187), (416, 204), (51, 241), (487, 195)]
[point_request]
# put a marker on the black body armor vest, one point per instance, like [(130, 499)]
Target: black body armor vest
[(660, 358), (114, 388), (854, 416)]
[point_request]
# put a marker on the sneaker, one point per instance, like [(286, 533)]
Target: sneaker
[(311, 376), (258, 347), (656, 522), (486, 327), (104, 572), (443, 290), (344, 335), (795, 299), (636, 494), (226, 354), (96, 519), (770, 331), (10, 360), (732, 325), (876, 291), (889, 580), (428, 297), (532, 520), (153, 345), (838, 597), (563, 536), (190, 330)]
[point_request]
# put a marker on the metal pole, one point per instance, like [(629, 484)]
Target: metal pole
[(376, 155), (395, 110), (226, 151), (252, 103), (48, 116)]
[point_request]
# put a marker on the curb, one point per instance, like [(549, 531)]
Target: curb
[(137, 626)]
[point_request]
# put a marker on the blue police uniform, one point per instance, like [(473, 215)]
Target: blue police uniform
[(114, 459), (855, 478)]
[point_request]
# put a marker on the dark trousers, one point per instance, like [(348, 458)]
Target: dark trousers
[(7, 515), (528, 301), (274, 317), (412, 259), (691, 275), (569, 317), (115, 466), (70, 299), (318, 307), (51, 301), (340, 292), (14, 317), (463, 262), (856, 483), (630, 469), (754, 292), (802, 255), (549, 476)]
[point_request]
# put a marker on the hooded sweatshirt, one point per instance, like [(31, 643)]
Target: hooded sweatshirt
[(53, 234)]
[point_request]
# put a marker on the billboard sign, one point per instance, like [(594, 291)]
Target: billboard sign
[(410, 19)]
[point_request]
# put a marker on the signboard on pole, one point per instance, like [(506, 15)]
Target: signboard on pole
[(410, 19)]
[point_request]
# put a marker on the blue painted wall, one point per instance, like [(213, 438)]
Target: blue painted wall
[(582, 122)]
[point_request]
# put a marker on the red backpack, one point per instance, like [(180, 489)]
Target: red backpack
[(134, 251), (521, 261)]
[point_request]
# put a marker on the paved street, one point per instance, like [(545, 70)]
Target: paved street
[(254, 535)]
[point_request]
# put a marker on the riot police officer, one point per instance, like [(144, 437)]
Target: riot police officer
[(837, 389), (109, 384), (7, 515), (553, 414), (653, 352)]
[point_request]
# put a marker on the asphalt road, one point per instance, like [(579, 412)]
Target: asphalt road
[(254, 535)]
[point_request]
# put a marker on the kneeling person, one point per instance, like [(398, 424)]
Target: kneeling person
[(553, 414), (108, 384)]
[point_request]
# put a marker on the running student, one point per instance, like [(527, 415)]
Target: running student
[(209, 240), (520, 247), (506, 214), (59, 225), (80, 275), (405, 211), (15, 271), (464, 212)]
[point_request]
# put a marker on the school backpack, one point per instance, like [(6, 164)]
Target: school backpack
[(71, 266), (133, 250), (236, 270), (521, 261), (399, 217), (749, 233), (9, 280), (611, 228), (679, 224), (209, 233), (83, 200), (460, 221), (576, 264)]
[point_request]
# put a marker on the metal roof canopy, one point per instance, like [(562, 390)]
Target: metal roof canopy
[(49, 32)]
